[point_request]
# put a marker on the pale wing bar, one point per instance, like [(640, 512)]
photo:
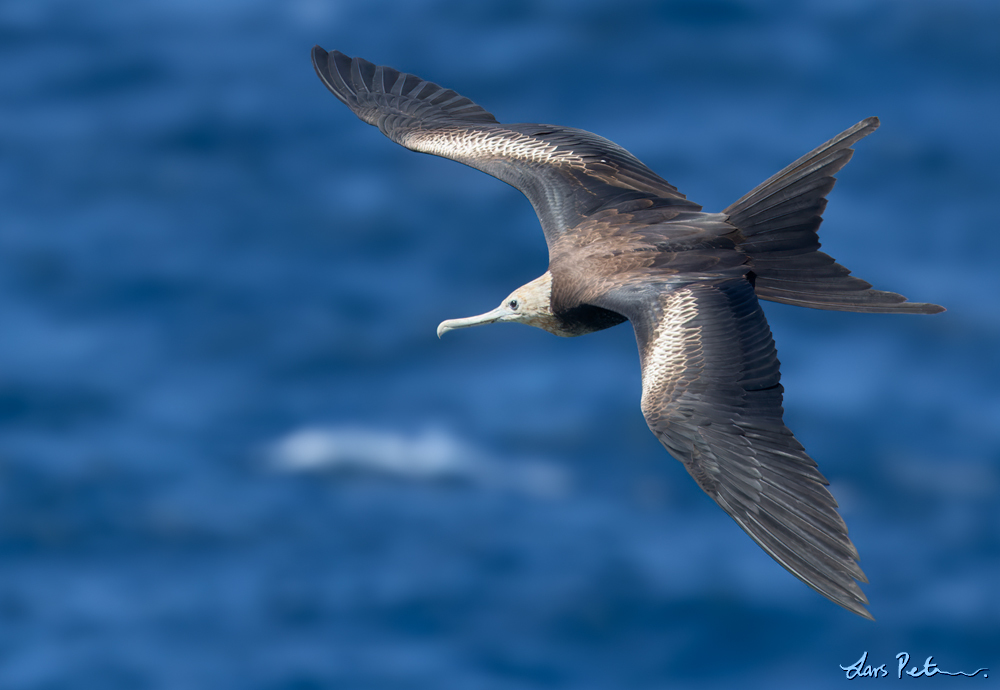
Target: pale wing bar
[(712, 397)]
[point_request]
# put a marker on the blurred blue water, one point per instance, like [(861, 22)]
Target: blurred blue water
[(234, 455)]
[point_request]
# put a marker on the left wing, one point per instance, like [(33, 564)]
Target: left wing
[(710, 394)]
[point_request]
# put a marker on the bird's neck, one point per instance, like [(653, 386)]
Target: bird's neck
[(567, 323)]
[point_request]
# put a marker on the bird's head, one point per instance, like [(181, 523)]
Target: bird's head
[(529, 304)]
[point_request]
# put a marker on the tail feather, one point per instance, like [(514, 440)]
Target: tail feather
[(779, 220)]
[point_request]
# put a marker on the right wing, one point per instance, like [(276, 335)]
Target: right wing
[(565, 173)]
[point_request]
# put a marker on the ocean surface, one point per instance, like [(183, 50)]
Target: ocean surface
[(233, 454)]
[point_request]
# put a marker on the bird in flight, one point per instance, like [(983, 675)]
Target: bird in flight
[(625, 245)]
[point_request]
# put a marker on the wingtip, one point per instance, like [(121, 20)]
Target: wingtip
[(863, 612), (917, 308), (851, 598), (320, 60), (860, 131), (858, 606), (334, 69)]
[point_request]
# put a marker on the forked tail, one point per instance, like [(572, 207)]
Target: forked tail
[(779, 220)]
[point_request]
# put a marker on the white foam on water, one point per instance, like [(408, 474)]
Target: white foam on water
[(430, 455)]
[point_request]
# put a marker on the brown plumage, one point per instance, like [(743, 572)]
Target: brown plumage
[(624, 244)]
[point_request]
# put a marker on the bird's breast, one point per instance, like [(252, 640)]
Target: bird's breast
[(586, 318)]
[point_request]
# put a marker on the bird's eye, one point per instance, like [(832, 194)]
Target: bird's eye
[(513, 304)]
